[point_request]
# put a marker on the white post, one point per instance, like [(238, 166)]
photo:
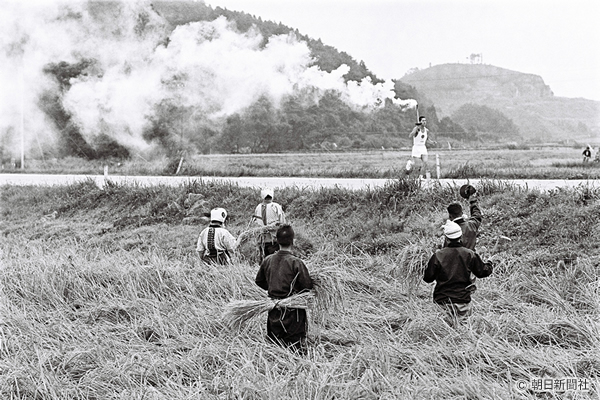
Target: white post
[(105, 171), (179, 166), (437, 165), (21, 78)]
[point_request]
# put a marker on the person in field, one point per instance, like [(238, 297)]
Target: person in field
[(450, 267), (468, 225), (419, 136), (215, 244), (587, 153), (270, 215), (282, 275)]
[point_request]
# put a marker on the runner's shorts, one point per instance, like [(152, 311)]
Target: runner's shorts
[(418, 151)]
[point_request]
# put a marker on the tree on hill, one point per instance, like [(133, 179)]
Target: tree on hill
[(486, 122), (448, 128)]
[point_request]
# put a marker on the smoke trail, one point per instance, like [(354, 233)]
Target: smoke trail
[(138, 64)]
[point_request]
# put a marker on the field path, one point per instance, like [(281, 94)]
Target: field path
[(274, 182)]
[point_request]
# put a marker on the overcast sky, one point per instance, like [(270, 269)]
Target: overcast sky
[(556, 39)]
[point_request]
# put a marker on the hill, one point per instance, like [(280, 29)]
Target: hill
[(524, 98), (327, 58)]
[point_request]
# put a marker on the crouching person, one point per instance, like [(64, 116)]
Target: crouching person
[(282, 275), (215, 243), (451, 267)]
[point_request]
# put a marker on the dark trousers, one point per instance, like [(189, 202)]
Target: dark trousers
[(267, 249), (287, 327), (216, 258)]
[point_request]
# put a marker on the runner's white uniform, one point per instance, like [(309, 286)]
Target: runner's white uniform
[(419, 141)]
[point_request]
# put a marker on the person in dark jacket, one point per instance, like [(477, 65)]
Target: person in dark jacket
[(450, 267), (587, 153), (468, 225), (282, 275)]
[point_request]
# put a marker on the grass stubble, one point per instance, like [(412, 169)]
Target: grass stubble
[(94, 305), (534, 163)]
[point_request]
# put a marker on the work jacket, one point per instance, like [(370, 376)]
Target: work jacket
[(451, 268), (469, 227)]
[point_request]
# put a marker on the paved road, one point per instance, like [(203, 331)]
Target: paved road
[(47, 180)]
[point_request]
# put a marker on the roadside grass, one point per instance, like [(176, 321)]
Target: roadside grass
[(544, 163), (102, 296)]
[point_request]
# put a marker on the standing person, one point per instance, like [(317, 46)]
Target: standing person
[(587, 153), (451, 267), (270, 215), (468, 225), (282, 274), (419, 136), (215, 243)]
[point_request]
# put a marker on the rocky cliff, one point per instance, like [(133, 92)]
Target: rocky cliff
[(524, 98)]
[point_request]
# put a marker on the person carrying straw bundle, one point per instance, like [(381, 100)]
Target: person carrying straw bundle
[(451, 267), (284, 275), (269, 215)]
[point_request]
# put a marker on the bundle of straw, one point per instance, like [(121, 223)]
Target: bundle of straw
[(238, 312), (328, 288), (411, 263), (327, 294), (253, 234)]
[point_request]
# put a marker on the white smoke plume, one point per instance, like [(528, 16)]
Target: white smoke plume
[(206, 66)]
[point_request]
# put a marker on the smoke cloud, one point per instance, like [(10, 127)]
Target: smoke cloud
[(137, 63)]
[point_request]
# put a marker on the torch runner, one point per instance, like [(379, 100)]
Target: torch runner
[(437, 156), (419, 149)]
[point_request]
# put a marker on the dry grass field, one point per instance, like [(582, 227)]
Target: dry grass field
[(544, 163), (103, 297)]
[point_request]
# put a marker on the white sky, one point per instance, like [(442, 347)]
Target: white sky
[(556, 39)]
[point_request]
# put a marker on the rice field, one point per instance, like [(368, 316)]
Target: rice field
[(103, 297)]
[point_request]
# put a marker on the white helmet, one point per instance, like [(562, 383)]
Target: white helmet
[(218, 214), (266, 192)]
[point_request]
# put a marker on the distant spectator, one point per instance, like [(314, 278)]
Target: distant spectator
[(587, 153)]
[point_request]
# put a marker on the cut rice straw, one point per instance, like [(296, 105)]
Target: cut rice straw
[(254, 234), (239, 312), (326, 295)]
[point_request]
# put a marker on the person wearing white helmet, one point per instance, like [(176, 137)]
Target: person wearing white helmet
[(451, 268), (270, 215), (215, 243)]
